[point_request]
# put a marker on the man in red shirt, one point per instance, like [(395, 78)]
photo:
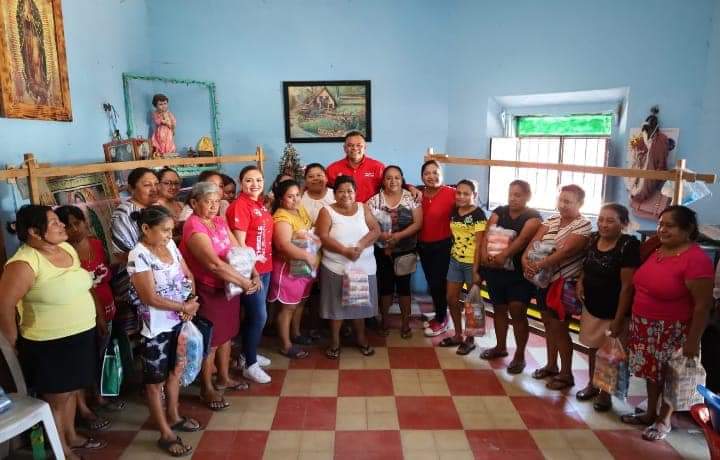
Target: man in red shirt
[(366, 171)]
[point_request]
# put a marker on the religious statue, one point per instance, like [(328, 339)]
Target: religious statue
[(32, 50), (162, 139)]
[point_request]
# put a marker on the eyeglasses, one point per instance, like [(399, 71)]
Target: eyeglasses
[(168, 183)]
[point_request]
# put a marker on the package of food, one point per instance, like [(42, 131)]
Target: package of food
[(538, 251), (355, 287), (474, 312), (498, 240), (242, 259), (608, 365), (310, 243), (683, 376)]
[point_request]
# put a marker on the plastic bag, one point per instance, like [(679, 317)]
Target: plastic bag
[(189, 353), (498, 239), (608, 362), (310, 243), (355, 287), (538, 251), (692, 191), (242, 259), (474, 312), (683, 376), (112, 371)]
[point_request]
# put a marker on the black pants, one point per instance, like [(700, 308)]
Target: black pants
[(435, 258), (710, 356)]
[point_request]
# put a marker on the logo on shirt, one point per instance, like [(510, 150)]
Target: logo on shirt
[(257, 213), (468, 220), (370, 174)]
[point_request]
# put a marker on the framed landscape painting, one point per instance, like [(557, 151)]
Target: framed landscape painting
[(33, 66), (323, 111)]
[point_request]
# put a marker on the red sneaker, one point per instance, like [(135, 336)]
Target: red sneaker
[(435, 328)]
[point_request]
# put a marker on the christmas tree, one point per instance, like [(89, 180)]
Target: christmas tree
[(290, 163)]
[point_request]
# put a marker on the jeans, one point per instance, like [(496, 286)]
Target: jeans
[(255, 315), (435, 259)]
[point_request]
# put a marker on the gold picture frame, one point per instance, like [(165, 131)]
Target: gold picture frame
[(33, 65)]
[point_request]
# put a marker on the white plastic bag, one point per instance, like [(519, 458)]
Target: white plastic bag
[(498, 239), (692, 191), (355, 287), (683, 376), (608, 362), (242, 259), (474, 313), (189, 353), (538, 251), (311, 244)]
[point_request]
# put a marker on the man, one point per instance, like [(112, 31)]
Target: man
[(366, 171)]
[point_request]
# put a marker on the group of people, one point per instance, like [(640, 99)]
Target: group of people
[(171, 266)]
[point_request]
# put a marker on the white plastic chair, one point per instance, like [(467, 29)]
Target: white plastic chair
[(25, 411)]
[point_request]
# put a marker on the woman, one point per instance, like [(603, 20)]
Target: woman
[(169, 185), (292, 222), (347, 231), (93, 259), (215, 177), (164, 289), (317, 194), (509, 290), (205, 245), (435, 241), (673, 295), (55, 337), (229, 188), (605, 288), (400, 218), (569, 232), (252, 225), (467, 224)]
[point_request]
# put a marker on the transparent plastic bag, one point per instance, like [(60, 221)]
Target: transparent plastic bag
[(310, 243), (474, 312), (189, 353), (692, 191), (498, 239), (355, 287), (683, 376), (242, 259), (538, 251), (609, 360)]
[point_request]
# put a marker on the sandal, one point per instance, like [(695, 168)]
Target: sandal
[(587, 393), (115, 405), (237, 386), (186, 425), (216, 405), (332, 353), (494, 353), (602, 405), (302, 340), (90, 444), (449, 342), (167, 446), (406, 333), (656, 432), (366, 350), (544, 373), (294, 352), (465, 348), (635, 419), (559, 383), (515, 367), (95, 424)]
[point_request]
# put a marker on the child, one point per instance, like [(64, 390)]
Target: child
[(467, 224)]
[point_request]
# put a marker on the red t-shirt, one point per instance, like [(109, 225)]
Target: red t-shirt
[(436, 215), (367, 175), (251, 216), (660, 291), (99, 269)]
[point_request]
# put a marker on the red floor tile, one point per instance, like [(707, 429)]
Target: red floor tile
[(117, 441), (547, 412), (368, 445), (427, 413), (250, 443), (216, 441), (301, 413), (473, 382), (367, 382), (413, 358), (629, 444), (503, 444)]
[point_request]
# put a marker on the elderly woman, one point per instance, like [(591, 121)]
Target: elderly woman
[(347, 230), (169, 185), (673, 295), (317, 194), (400, 219), (569, 233), (205, 244), (55, 338)]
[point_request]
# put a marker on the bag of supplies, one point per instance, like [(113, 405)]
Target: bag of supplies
[(242, 259), (355, 287), (474, 312), (499, 239), (310, 243), (608, 365), (189, 353), (683, 376)]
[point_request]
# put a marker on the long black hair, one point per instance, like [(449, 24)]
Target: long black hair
[(685, 218), (151, 216), (280, 189)]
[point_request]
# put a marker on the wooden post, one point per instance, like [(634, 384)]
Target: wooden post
[(678, 180), (33, 185), (260, 158)]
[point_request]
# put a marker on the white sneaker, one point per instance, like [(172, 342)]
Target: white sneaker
[(256, 374), (263, 361)]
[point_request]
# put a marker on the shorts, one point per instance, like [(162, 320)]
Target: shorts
[(506, 286), (286, 288), (388, 282), (460, 272), (158, 356)]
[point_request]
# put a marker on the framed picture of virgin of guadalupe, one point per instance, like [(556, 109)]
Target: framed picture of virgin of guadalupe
[(33, 66)]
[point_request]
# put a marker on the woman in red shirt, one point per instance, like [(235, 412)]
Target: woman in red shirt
[(673, 295)]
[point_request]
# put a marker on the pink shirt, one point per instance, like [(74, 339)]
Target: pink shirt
[(220, 240), (660, 290)]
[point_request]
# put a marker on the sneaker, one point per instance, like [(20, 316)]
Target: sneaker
[(435, 328), (256, 374), (263, 361)]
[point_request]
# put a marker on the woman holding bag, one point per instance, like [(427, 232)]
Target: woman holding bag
[(673, 295)]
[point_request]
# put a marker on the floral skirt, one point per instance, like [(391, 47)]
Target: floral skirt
[(652, 343)]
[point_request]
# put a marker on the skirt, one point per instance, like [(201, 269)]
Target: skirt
[(59, 365), (331, 298), (223, 313), (652, 343), (286, 288)]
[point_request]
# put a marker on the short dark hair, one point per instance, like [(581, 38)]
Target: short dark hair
[(313, 166), (345, 180), (620, 210), (207, 174), (389, 167), (354, 133), (164, 171), (27, 217), (685, 218), (64, 213), (159, 98), (151, 216), (576, 189), (428, 163), (523, 185), (246, 170), (470, 183), (136, 174)]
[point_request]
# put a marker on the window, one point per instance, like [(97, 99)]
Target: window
[(578, 139)]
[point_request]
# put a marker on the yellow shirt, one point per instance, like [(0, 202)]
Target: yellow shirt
[(59, 303), (299, 221)]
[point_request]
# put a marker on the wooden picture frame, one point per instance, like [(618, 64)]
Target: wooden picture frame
[(323, 111), (125, 150), (33, 65)]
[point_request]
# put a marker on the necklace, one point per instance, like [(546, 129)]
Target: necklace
[(660, 255)]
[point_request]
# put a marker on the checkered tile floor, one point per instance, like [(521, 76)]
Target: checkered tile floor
[(411, 400)]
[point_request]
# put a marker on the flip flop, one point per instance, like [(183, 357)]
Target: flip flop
[(90, 444), (216, 405), (493, 353), (465, 348), (559, 383), (602, 406), (366, 350), (186, 425), (516, 367), (239, 386), (656, 432), (634, 419), (544, 373), (168, 445), (115, 405), (332, 353), (96, 424), (294, 352), (448, 342)]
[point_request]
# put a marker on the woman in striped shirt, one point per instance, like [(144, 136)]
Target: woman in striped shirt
[(569, 232)]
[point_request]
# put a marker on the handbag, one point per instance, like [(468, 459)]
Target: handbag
[(405, 264), (205, 326), (112, 371)]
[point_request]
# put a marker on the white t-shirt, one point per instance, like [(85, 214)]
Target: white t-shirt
[(170, 282), (314, 206), (348, 230)]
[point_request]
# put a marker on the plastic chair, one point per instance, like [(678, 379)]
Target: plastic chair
[(25, 411), (702, 417)]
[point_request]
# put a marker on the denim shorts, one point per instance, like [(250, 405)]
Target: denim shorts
[(459, 272)]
